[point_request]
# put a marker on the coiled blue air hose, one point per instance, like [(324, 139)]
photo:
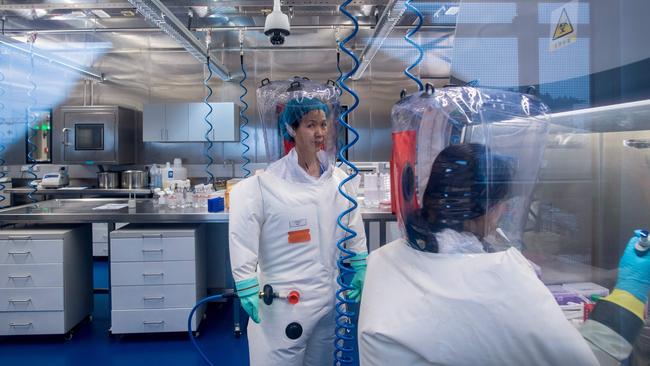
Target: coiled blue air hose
[(408, 39), (243, 117), (206, 83), (344, 324), (31, 118)]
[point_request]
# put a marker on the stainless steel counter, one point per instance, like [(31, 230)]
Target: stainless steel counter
[(85, 210), (78, 191)]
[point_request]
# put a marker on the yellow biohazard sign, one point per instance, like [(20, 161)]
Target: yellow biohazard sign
[(564, 30), (563, 27)]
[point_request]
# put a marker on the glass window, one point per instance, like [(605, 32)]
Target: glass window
[(89, 137)]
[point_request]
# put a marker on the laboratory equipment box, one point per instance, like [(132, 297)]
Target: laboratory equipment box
[(157, 275), (46, 279)]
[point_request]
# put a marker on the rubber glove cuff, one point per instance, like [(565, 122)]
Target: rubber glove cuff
[(359, 261), (247, 287), (248, 292)]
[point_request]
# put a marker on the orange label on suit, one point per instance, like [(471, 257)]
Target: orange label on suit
[(299, 236)]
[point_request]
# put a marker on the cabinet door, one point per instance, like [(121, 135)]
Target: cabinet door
[(227, 122), (176, 121), (153, 122), (197, 125)]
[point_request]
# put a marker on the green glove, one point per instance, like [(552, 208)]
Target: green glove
[(358, 262), (248, 292)]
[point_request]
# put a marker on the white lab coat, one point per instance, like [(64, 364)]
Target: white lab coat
[(483, 309), (264, 208)]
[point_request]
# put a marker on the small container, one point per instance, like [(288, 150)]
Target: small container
[(215, 204)]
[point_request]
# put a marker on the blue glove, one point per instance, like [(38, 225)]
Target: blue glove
[(358, 262), (248, 292), (634, 272)]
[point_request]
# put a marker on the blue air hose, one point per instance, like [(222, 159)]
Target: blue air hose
[(189, 325), (408, 39), (344, 324), (242, 116), (31, 118), (206, 83)]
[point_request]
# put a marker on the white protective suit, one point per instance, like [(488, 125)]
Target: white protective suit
[(422, 308), (264, 209)]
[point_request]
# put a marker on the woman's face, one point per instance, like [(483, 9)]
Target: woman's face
[(311, 132)]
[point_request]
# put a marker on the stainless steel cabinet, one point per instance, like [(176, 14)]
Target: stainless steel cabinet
[(45, 279), (185, 122), (153, 125), (97, 134), (158, 273)]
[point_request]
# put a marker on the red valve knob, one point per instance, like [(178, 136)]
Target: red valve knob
[(293, 298)]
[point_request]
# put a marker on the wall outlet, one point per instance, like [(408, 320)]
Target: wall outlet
[(5, 168)]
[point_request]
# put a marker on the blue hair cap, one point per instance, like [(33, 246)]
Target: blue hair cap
[(294, 111)]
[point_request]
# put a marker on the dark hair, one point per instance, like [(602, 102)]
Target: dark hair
[(466, 181)]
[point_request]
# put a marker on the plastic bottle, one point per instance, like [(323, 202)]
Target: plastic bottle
[(167, 175), (180, 173), (155, 174)]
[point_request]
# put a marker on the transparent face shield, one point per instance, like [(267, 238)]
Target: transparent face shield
[(299, 113), (466, 159)]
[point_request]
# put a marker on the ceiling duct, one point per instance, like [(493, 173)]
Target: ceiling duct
[(388, 20), (156, 13)]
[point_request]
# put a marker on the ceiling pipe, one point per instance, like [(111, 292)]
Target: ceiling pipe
[(45, 55), (155, 12)]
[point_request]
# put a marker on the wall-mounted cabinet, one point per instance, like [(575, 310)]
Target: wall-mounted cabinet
[(184, 122)]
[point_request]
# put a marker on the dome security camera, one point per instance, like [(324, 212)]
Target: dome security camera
[(277, 25)]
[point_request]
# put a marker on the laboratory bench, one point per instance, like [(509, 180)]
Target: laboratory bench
[(107, 212)]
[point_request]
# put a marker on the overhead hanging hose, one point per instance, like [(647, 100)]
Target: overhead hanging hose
[(338, 63), (31, 118), (2, 146), (242, 111), (206, 83), (344, 324), (408, 39)]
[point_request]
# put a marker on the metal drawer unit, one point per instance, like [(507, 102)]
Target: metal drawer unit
[(158, 273), (45, 279)]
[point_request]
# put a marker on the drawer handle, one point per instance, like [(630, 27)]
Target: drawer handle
[(152, 235), (152, 298), (19, 237), (13, 277), (20, 253), (160, 322), (153, 274), (21, 325), (20, 301), (152, 250)]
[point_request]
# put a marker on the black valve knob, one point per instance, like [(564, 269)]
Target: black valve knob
[(267, 294)]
